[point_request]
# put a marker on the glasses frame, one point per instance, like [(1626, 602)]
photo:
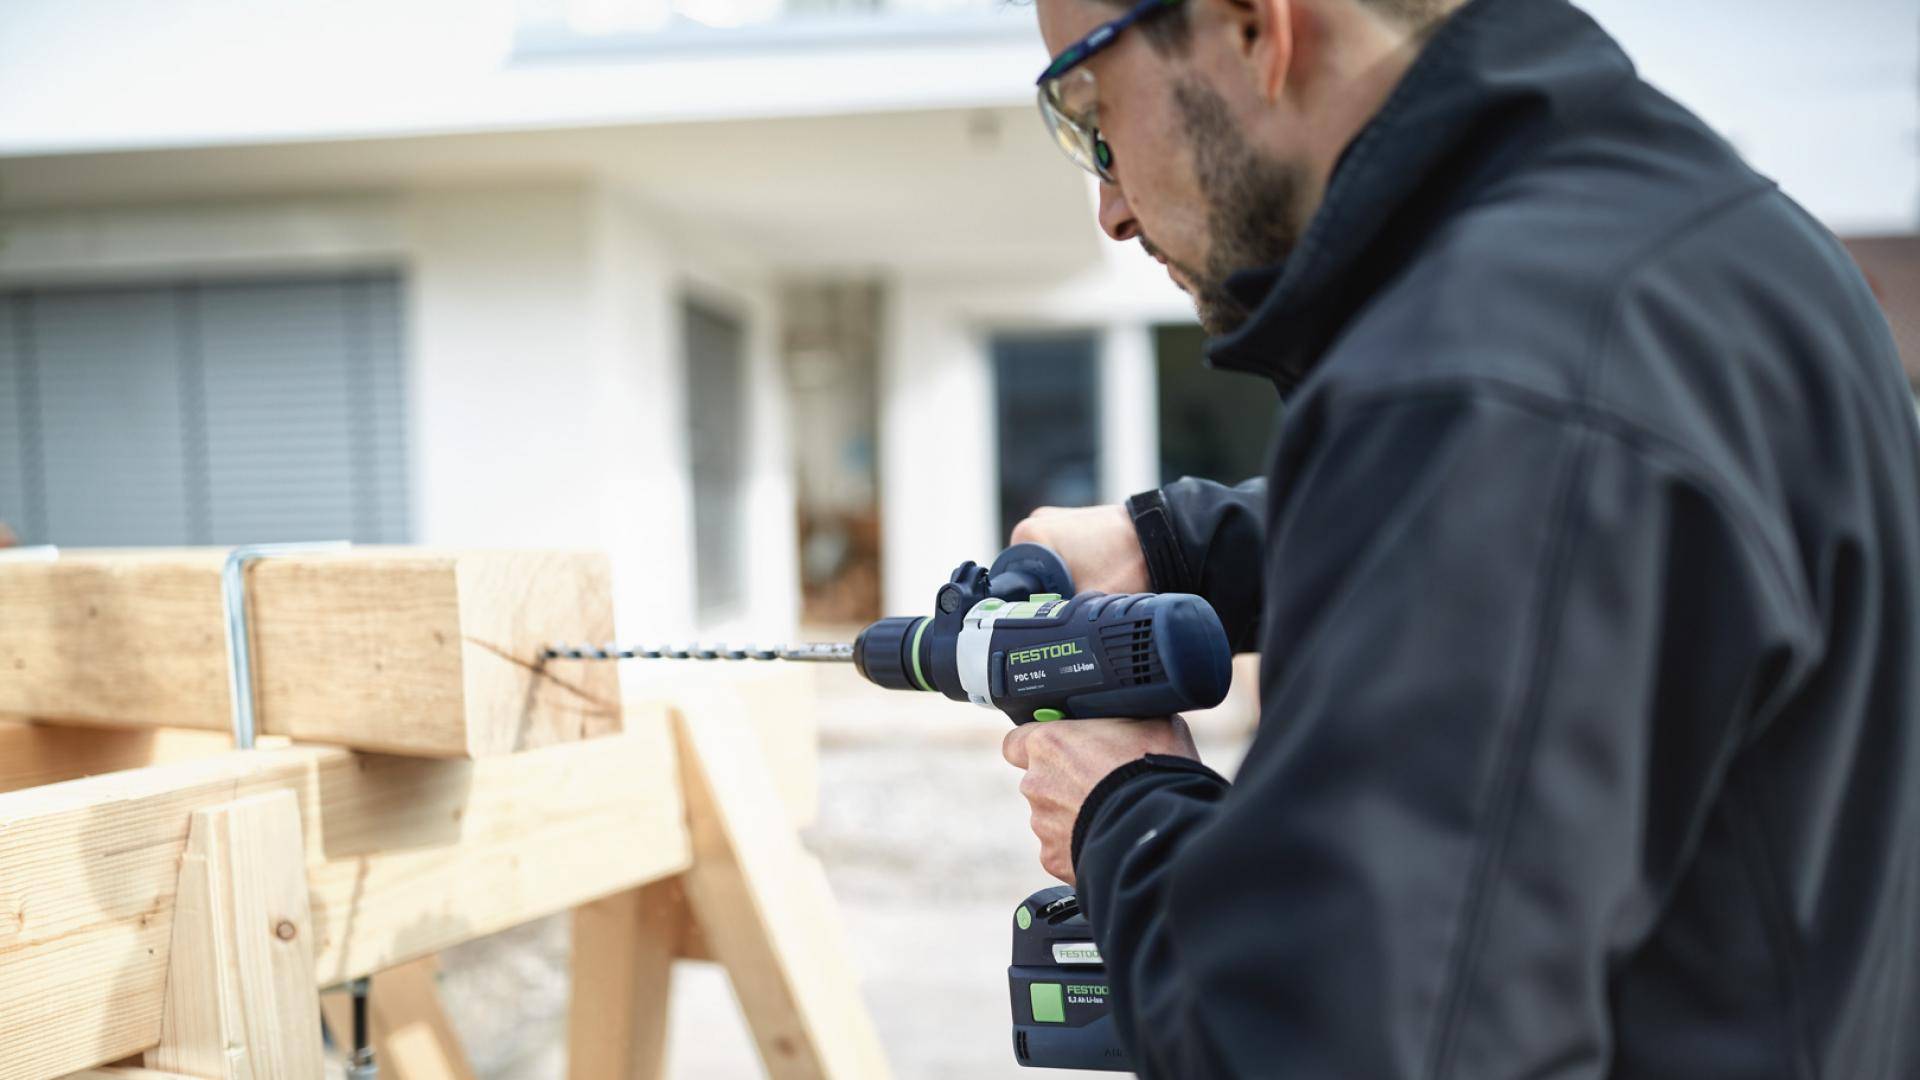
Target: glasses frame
[(1099, 160)]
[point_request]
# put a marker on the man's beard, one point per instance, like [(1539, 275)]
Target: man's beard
[(1250, 207)]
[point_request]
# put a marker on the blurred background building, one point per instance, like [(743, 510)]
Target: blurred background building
[(788, 304)]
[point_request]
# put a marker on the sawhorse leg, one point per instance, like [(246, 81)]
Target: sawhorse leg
[(754, 900), (623, 952), (241, 1002)]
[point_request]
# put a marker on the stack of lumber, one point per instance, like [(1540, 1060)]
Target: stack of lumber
[(423, 779), (401, 650)]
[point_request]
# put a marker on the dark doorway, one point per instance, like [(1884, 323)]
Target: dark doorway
[(1047, 396), (1213, 424)]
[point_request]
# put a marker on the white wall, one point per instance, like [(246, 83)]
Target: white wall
[(1821, 96), (82, 75), (939, 498), (546, 362)]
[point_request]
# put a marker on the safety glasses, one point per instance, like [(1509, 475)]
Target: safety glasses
[(1070, 99)]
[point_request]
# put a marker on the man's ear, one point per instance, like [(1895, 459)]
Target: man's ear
[(1267, 33)]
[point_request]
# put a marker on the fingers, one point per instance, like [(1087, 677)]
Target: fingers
[(1058, 863), (1014, 746), (1028, 531), (1056, 856), (1032, 789)]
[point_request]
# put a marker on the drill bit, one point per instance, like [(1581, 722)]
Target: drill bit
[(818, 652)]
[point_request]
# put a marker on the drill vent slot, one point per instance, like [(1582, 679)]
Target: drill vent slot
[(1129, 651)]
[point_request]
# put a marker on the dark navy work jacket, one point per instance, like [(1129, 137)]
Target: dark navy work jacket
[(1586, 584)]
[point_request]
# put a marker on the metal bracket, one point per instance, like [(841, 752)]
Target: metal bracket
[(233, 593), (360, 1060)]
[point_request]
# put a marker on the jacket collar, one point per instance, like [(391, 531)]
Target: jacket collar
[(1476, 97)]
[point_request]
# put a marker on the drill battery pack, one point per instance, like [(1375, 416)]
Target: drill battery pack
[(1062, 1001)]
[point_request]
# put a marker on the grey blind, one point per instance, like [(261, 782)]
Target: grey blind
[(13, 438), (716, 444), (112, 446), (221, 413)]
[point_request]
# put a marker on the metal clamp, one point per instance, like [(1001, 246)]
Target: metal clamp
[(360, 1060), (233, 593)]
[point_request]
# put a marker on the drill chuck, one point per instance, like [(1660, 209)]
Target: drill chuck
[(883, 655)]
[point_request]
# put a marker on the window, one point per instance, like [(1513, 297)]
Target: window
[(1047, 391), (716, 450), (204, 413), (1213, 424)]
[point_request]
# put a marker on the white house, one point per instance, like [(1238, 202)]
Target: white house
[(665, 277)]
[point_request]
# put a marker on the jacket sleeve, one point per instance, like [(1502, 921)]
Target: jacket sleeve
[(1508, 655), (1206, 538)]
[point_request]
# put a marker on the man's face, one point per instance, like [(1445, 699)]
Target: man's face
[(1200, 195)]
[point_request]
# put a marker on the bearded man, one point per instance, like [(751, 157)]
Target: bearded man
[(1585, 575)]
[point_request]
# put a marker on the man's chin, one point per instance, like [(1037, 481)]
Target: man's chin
[(1219, 314)]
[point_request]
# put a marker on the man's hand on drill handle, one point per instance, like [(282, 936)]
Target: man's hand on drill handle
[(1064, 759), (1098, 543)]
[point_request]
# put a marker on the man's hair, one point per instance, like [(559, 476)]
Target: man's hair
[(1172, 32)]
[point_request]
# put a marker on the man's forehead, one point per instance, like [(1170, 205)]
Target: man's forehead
[(1063, 22)]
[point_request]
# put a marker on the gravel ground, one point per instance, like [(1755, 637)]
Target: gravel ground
[(924, 837)]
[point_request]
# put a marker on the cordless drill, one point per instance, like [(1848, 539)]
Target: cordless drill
[(1014, 637)]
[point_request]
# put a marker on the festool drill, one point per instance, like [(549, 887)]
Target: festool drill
[(1014, 637)]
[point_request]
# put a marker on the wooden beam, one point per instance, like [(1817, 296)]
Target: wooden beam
[(764, 905), (693, 942), (405, 857), (123, 1073), (241, 1002), (402, 650), (36, 754), (777, 702), (412, 1037), (623, 951)]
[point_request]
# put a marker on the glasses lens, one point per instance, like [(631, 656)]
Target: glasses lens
[(1070, 106)]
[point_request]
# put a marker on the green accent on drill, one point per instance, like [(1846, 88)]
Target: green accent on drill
[(1049, 1006), (1023, 918), (1046, 715), (989, 605), (1032, 607), (918, 631)]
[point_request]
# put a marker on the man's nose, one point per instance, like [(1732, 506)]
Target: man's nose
[(1116, 217)]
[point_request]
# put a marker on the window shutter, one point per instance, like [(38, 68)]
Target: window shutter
[(222, 413)]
